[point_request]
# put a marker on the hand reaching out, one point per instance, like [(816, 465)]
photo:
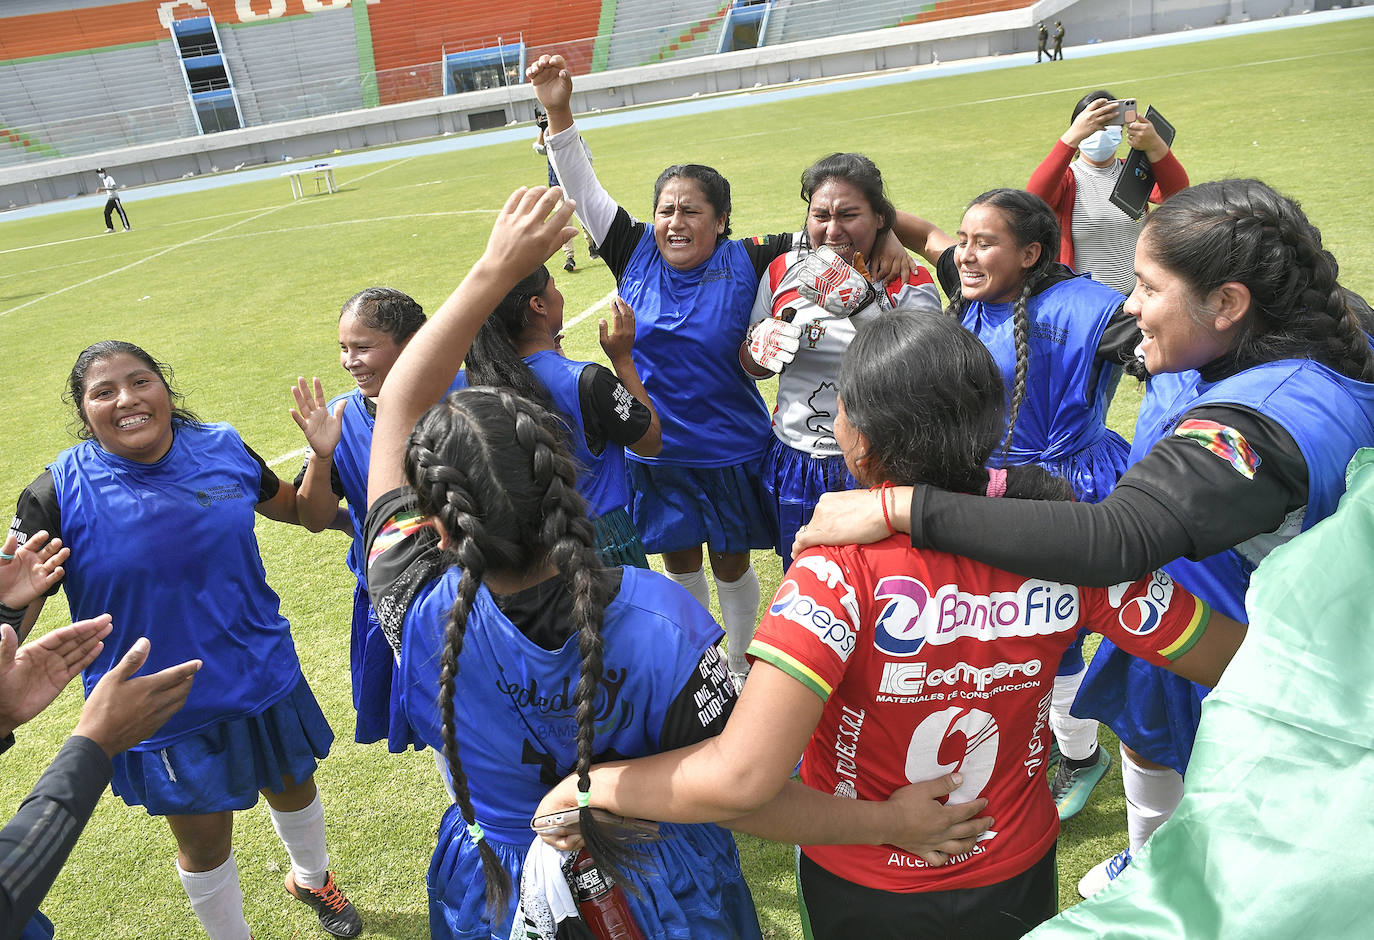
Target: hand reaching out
[(322, 430), (618, 336), (123, 710), (28, 571), (32, 675), (531, 226)]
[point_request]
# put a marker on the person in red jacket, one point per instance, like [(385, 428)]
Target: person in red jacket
[(1097, 237)]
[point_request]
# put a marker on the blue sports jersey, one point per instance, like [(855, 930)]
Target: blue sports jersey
[(370, 658), (1062, 421), (601, 477), (688, 329), (516, 735), (168, 550), (1329, 416)]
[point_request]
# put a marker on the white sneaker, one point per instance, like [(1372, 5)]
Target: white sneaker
[(738, 677), (1103, 874)]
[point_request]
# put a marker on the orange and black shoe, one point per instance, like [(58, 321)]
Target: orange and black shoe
[(337, 914)]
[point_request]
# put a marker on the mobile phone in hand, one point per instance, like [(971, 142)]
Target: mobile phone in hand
[(1125, 111)]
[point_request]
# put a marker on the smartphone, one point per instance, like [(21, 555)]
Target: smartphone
[(1125, 111), (623, 828), (1132, 190)]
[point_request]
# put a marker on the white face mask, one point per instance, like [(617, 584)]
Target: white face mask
[(1101, 145)]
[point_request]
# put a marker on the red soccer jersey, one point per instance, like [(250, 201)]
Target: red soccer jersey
[(929, 663)]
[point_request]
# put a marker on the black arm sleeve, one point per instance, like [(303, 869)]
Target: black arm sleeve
[(1179, 500), (1119, 339), (409, 558), (764, 249), (36, 842), (947, 272), (269, 482), (37, 508), (335, 481), (609, 411), (702, 707), (620, 241)]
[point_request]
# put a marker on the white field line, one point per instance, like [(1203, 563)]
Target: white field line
[(190, 241)]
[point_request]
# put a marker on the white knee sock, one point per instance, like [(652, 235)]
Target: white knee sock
[(302, 832), (1076, 736), (739, 612), (695, 583), (217, 900), (1151, 798)]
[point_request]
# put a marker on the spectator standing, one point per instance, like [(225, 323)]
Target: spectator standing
[(112, 204), (1095, 235)]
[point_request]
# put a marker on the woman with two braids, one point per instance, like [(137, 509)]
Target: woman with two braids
[(1261, 388), (524, 659), (1060, 341)]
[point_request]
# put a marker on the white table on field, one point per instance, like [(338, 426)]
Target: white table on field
[(324, 173)]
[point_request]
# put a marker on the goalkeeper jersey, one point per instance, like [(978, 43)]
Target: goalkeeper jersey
[(929, 663), (804, 418)]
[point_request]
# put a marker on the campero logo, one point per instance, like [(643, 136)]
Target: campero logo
[(915, 678), (913, 616), (1142, 613)]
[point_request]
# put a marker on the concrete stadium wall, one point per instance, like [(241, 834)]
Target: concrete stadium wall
[(887, 49)]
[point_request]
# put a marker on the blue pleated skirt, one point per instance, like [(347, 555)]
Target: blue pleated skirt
[(1093, 471), (795, 481), (223, 767), (691, 887), (1154, 712), (676, 508), (376, 694), (617, 540)]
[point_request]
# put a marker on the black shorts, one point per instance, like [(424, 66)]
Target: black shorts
[(839, 909)]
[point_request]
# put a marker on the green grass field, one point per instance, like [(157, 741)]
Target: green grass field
[(239, 289)]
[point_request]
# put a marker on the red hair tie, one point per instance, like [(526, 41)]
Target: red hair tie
[(997, 482)]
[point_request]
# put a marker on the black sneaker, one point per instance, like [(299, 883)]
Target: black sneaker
[(570, 265), (337, 914)]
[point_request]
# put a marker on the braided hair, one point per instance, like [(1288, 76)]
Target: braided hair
[(930, 400), (493, 359), (1242, 230), (490, 467), (386, 310), (1030, 220)]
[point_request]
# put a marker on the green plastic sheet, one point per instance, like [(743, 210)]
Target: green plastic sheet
[(1275, 835)]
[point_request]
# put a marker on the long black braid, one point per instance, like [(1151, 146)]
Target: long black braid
[(1242, 230), (1030, 220), (490, 467)]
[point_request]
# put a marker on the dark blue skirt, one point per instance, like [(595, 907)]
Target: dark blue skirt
[(223, 767), (676, 508), (691, 887), (796, 480), (376, 694), (1154, 712)]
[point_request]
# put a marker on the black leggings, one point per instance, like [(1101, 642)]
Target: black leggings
[(839, 909), (112, 206)]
